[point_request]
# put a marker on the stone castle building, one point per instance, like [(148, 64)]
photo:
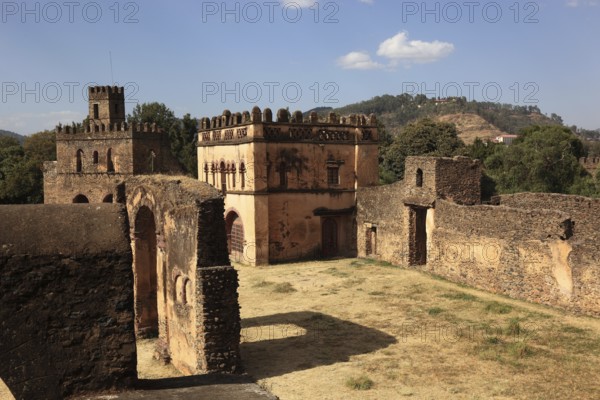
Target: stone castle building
[(93, 160), (289, 183)]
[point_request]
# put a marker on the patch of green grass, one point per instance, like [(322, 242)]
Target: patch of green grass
[(336, 272), (435, 311), (348, 283), (519, 350), (572, 329), (360, 383), (498, 308), (493, 340), (514, 327), (284, 287), (459, 296)]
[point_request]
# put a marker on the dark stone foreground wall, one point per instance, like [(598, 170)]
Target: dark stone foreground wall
[(66, 300)]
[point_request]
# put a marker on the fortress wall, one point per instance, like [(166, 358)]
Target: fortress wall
[(66, 300), (524, 254), (583, 211)]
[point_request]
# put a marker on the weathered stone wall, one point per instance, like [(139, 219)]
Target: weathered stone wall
[(66, 300), (540, 248), (64, 188), (455, 179), (583, 211), (219, 320), (187, 221), (382, 209), (524, 254)]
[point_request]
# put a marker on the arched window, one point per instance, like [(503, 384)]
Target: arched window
[(213, 170), (79, 160), (233, 175), (206, 172), (151, 160), (243, 175), (419, 177), (283, 175), (223, 177), (95, 158), (108, 198), (110, 167)]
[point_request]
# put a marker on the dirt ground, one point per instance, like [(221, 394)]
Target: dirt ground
[(356, 329)]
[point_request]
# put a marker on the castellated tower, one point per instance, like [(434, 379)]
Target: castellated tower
[(94, 159), (107, 105)]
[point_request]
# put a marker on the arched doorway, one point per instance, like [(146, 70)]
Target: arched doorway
[(80, 199), (235, 234), (330, 238), (108, 198), (145, 275)]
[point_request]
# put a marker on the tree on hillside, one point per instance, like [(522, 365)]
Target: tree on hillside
[(424, 137), (542, 159), (21, 177), (181, 133)]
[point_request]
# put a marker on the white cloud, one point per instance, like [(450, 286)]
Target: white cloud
[(358, 60), (581, 3), (399, 49), (299, 3), (366, 1)]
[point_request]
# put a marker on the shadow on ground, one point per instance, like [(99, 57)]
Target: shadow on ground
[(191, 381), (282, 343)]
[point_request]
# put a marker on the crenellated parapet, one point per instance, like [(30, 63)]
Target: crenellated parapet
[(69, 131), (286, 126), (105, 91)]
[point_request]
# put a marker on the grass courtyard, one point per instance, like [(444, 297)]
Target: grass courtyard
[(367, 330)]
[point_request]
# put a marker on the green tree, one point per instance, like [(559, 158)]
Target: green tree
[(182, 132), (542, 159), (424, 137), (21, 176)]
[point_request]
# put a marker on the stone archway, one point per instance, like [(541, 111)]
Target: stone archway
[(145, 275), (80, 199), (234, 227)]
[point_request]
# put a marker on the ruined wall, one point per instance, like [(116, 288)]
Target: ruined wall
[(455, 179), (524, 254), (66, 300), (381, 210), (521, 249), (583, 211), (187, 220)]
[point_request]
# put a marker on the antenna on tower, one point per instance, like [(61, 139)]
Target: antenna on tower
[(112, 79)]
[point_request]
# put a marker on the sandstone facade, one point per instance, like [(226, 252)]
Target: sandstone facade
[(289, 183)]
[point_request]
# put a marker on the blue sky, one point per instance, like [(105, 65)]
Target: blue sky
[(204, 57)]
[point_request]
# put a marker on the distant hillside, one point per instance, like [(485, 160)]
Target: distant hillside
[(473, 118), (20, 138), (471, 127)]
